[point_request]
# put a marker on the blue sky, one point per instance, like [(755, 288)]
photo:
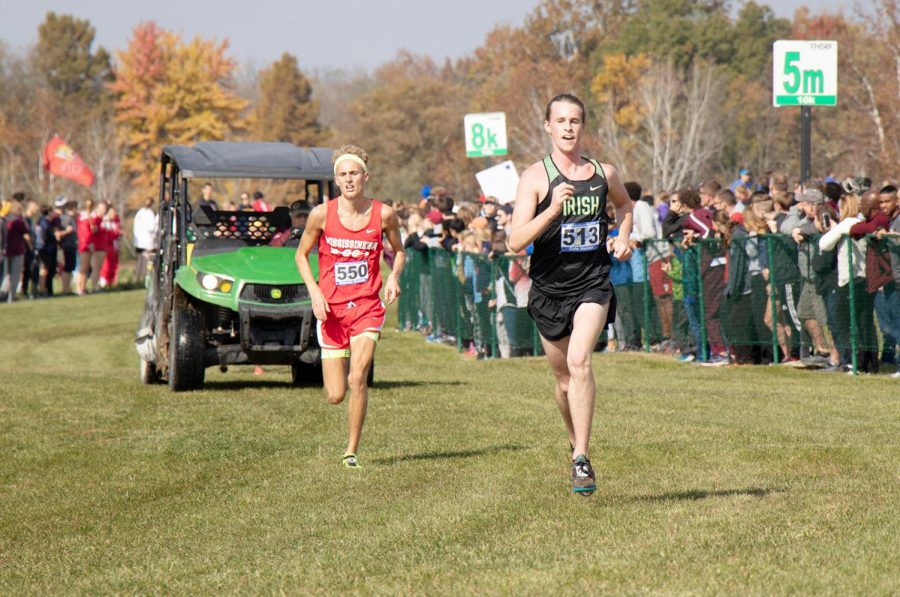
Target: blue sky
[(323, 34)]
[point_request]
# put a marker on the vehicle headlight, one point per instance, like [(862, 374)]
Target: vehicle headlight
[(213, 282)]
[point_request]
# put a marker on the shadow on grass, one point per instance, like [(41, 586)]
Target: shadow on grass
[(411, 383), (702, 494), (242, 384), (450, 454)]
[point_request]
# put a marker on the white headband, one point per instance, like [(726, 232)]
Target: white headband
[(352, 158)]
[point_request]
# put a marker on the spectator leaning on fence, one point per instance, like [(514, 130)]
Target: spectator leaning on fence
[(867, 356), (699, 229), (887, 303), (879, 274), (824, 264), (800, 225), (687, 272), (649, 230)]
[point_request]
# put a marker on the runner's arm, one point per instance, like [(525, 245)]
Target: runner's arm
[(392, 231), (525, 226), (315, 224), (624, 212)]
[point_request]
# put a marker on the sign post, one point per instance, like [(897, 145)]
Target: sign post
[(485, 134), (804, 73)]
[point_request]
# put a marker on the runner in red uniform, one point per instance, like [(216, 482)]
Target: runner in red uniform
[(348, 231)]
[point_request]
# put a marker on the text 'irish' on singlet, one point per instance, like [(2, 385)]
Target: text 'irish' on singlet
[(349, 259), (570, 254)]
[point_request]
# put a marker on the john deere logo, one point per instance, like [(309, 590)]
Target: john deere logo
[(276, 293)]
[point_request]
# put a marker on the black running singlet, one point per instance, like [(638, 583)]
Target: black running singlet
[(570, 255)]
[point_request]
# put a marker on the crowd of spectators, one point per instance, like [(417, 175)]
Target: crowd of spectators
[(80, 243), (758, 272), (77, 243), (489, 288)]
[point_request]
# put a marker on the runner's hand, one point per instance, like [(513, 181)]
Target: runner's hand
[(319, 305), (560, 194), (621, 249), (391, 289)]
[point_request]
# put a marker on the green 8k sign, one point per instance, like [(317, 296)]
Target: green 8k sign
[(485, 134)]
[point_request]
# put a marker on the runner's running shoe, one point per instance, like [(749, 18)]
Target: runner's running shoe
[(583, 476), (350, 461)]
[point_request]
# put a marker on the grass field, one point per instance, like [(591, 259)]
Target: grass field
[(760, 480)]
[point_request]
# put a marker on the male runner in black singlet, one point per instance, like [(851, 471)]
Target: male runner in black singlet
[(561, 208)]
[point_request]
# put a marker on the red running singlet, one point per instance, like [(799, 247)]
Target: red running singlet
[(349, 260)]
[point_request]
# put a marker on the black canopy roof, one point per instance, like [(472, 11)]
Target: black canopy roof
[(229, 159)]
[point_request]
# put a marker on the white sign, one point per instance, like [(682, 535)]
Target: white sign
[(804, 73), (500, 181), (485, 134)]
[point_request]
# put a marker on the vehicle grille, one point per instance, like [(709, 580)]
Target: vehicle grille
[(269, 293)]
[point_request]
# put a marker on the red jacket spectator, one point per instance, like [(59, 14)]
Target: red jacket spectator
[(700, 221), (87, 227)]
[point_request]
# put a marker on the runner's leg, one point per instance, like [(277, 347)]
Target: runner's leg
[(586, 327), (334, 374), (362, 349), (556, 354)]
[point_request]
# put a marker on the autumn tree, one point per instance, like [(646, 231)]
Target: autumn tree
[(171, 92), (410, 122), (285, 110), (661, 123)]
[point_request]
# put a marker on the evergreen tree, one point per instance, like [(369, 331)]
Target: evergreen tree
[(286, 110), (76, 75)]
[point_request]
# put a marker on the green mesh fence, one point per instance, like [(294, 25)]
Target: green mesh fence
[(474, 301), (755, 299)]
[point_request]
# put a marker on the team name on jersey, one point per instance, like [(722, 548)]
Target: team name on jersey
[(351, 243), (584, 205)]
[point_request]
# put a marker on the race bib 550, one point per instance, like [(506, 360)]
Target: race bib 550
[(355, 272)]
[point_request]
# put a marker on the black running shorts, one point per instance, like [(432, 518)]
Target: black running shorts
[(554, 316)]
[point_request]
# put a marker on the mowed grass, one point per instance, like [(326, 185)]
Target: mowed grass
[(746, 480)]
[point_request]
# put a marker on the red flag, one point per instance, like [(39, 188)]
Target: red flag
[(61, 160)]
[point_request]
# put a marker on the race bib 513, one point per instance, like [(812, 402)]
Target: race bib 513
[(580, 237)]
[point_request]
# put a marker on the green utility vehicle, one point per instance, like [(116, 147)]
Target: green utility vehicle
[(218, 293)]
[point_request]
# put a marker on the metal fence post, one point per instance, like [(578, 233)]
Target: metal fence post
[(701, 304), (492, 315), (854, 338), (773, 299), (647, 298)]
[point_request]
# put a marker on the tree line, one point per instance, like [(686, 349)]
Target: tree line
[(677, 91)]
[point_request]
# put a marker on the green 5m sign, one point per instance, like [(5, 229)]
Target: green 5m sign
[(804, 73)]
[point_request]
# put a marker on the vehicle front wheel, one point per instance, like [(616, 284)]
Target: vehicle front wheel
[(149, 373), (305, 374), (187, 344)]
